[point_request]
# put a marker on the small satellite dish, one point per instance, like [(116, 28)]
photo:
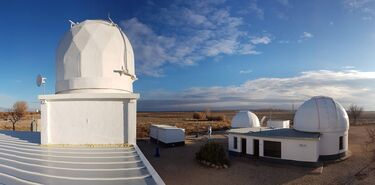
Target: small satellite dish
[(41, 81)]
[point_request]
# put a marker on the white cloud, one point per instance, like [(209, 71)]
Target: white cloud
[(196, 30), (303, 37), (347, 86), (282, 16), (261, 40), (364, 7), (254, 8), (285, 3), (246, 71), (306, 35), (284, 41), (348, 67), (367, 18)]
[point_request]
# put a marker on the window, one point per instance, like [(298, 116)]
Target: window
[(272, 149), (341, 144), (235, 142)]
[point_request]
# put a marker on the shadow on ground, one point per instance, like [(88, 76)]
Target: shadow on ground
[(32, 137)]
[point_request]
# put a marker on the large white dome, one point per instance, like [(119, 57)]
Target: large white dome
[(321, 114), (245, 119), (94, 56)]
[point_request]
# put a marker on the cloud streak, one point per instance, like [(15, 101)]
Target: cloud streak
[(347, 86), (196, 31), (364, 7)]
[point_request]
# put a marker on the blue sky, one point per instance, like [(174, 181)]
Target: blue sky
[(192, 55)]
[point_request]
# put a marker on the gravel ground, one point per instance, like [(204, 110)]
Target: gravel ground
[(178, 166)]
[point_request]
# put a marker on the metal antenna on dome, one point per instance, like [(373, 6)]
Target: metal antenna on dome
[(109, 18), (72, 23)]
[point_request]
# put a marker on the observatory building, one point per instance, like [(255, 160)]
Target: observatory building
[(245, 119), (319, 133), (94, 101), (88, 132)]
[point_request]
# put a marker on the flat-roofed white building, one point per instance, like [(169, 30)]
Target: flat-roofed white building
[(167, 135), (320, 133), (278, 123)]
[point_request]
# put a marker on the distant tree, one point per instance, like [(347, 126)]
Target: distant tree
[(199, 115), (371, 134), (17, 112), (355, 112)]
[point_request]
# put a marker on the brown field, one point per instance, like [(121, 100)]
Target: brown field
[(179, 119), (178, 166), (184, 120)]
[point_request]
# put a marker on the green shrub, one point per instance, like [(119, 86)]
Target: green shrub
[(212, 152)]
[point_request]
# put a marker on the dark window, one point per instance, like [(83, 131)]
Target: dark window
[(272, 149), (256, 147), (341, 145), (243, 145), (235, 142)]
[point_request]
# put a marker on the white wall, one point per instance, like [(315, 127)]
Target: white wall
[(291, 149), (231, 143), (329, 143), (88, 121), (167, 135), (171, 135), (278, 123), (300, 150)]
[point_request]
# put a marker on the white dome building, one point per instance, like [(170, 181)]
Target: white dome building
[(245, 119), (320, 133), (94, 56), (94, 101), (325, 116)]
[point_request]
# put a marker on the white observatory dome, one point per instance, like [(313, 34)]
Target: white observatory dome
[(321, 114), (245, 119), (94, 56)]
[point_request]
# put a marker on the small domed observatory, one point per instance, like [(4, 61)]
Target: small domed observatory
[(245, 119), (324, 115), (94, 101), (320, 133)]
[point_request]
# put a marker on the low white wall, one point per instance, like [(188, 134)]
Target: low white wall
[(329, 143), (154, 131), (278, 123), (88, 121), (171, 135), (231, 143), (291, 149), (167, 135), (300, 150)]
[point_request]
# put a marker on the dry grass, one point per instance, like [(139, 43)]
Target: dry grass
[(184, 120), (23, 124)]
